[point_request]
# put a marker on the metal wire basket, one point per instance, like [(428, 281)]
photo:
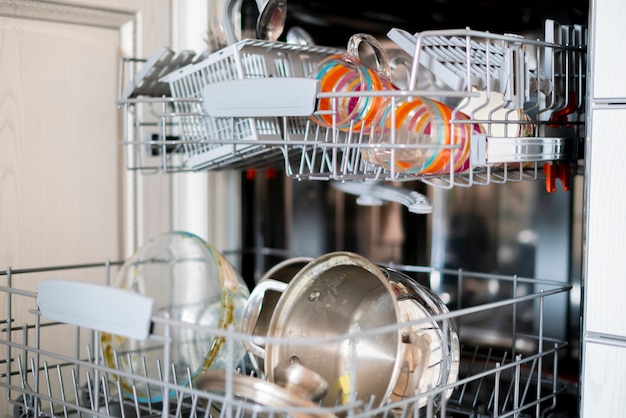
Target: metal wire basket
[(543, 81), (247, 59), (55, 368)]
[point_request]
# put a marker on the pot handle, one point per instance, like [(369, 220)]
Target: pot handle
[(419, 345), (252, 310)]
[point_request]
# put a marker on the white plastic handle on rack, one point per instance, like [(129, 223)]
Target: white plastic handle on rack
[(98, 307), (261, 97)]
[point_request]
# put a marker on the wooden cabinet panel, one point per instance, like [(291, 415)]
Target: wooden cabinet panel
[(63, 188), (60, 176), (61, 171)]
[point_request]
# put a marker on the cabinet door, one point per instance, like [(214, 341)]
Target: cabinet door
[(606, 222), (605, 380), (607, 59), (62, 181), (62, 177)]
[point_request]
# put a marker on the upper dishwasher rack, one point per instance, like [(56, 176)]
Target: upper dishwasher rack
[(219, 115)]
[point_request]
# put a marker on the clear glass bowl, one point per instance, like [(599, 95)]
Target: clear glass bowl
[(418, 302), (192, 283)]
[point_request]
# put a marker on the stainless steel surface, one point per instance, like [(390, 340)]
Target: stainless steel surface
[(349, 16), (297, 35), (339, 285), (234, 19), (271, 21), (255, 392), (300, 380), (429, 352), (336, 294), (216, 37), (520, 230), (283, 272)]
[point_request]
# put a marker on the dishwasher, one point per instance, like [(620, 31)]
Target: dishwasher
[(500, 347)]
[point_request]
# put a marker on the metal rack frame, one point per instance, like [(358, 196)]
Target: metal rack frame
[(43, 377), (544, 78)]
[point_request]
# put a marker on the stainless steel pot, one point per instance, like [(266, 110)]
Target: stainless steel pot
[(339, 316)]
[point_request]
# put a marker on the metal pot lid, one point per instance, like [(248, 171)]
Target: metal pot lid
[(297, 378), (257, 392)]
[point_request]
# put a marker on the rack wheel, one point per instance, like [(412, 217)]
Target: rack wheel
[(25, 406)]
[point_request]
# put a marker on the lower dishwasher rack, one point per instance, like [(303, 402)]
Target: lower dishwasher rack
[(53, 369)]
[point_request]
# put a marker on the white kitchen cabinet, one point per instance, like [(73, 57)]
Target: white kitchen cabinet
[(607, 40), (606, 265), (604, 384), (603, 371), (61, 169)]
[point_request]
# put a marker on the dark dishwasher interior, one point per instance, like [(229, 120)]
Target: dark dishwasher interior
[(500, 229)]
